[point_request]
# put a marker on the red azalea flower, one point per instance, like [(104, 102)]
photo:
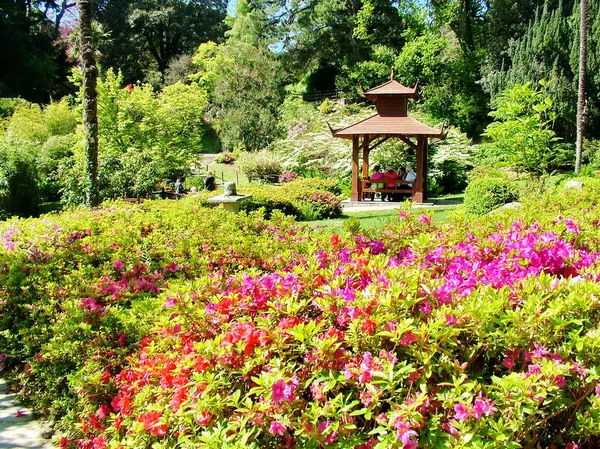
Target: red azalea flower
[(204, 419), (103, 411), (368, 326)]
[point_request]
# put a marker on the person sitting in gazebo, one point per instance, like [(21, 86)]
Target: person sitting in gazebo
[(390, 174), (376, 185), (410, 175)]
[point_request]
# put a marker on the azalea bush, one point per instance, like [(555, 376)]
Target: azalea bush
[(303, 198), (258, 334)]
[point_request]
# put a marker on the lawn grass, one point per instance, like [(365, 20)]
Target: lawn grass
[(442, 208)]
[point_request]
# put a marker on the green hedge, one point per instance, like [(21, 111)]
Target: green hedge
[(303, 198), (483, 195)]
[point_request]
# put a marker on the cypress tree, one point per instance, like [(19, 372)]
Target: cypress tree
[(549, 49)]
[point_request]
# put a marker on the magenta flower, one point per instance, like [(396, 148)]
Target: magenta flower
[(328, 436), (118, 265), (483, 406), (572, 226), (450, 320), (425, 307), (284, 391), (424, 218), (598, 391), (277, 428), (572, 446), (91, 305), (170, 301), (461, 412)]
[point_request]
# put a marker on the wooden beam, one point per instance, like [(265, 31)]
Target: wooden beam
[(383, 139), (409, 142)]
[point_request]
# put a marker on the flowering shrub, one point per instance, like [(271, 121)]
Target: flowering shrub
[(287, 177), (303, 198), (225, 157), (415, 336)]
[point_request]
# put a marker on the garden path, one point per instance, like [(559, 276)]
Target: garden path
[(18, 429)]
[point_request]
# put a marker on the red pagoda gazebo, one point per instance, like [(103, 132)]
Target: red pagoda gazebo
[(391, 120)]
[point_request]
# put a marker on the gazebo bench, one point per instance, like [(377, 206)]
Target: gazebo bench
[(368, 190)]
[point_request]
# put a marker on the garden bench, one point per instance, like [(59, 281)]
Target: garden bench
[(168, 194), (401, 187)]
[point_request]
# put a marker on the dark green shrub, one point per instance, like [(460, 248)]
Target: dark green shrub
[(483, 195), (18, 183)]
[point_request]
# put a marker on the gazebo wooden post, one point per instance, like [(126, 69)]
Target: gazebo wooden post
[(366, 152), (421, 171), (356, 185)]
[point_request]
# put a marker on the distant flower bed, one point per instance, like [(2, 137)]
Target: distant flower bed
[(192, 329)]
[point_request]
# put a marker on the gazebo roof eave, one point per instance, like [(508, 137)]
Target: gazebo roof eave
[(440, 136)]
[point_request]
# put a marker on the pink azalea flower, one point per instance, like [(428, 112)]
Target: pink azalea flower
[(103, 411), (21, 413), (329, 437), (284, 391), (450, 320), (572, 226), (118, 265), (277, 428), (483, 406), (598, 391), (572, 446), (448, 427), (461, 412), (424, 218), (170, 301)]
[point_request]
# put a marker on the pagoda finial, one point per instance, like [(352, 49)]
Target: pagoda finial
[(393, 77)]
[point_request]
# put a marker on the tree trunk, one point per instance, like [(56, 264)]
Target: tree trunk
[(581, 93), (87, 63)]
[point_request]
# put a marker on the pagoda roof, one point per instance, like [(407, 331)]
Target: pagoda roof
[(391, 126), (392, 87)]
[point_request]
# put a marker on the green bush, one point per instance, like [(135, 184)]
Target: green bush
[(257, 165), (225, 157), (18, 183), (483, 195), (303, 198)]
